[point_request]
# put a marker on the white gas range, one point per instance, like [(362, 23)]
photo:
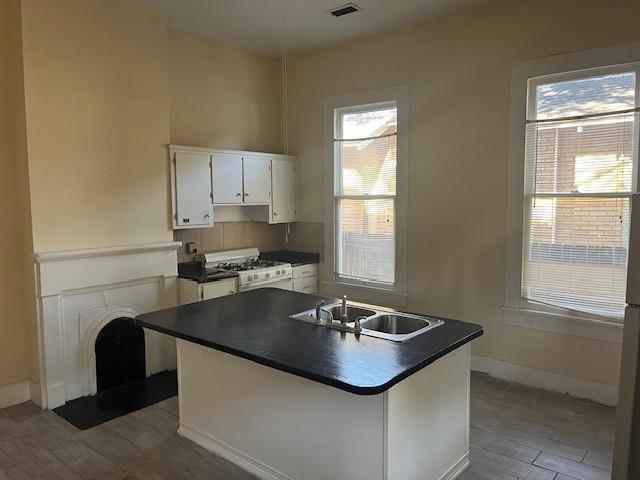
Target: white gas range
[(252, 271)]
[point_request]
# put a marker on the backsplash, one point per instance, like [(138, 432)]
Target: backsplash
[(304, 236), (229, 236)]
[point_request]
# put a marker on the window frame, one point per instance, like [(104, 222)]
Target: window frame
[(524, 76), (368, 291)]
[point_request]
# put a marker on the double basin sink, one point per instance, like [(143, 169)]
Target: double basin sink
[(389, 325)]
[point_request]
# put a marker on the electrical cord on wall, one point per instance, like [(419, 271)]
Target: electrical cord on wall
[(285, 118), (283, 50)]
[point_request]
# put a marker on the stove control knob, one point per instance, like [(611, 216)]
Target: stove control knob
[(249, 277), (267, 275), (277, 272)]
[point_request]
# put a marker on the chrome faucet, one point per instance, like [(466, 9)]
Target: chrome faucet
[(319, 311), (343, 315)]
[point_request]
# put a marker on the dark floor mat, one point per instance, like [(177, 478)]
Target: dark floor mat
[(87, 412)]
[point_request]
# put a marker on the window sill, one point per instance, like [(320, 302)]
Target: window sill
[(371, 295), (608, 331)]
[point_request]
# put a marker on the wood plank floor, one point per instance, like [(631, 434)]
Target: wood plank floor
[(516, 433)]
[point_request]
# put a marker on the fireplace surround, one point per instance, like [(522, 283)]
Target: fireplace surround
[(79, 293)]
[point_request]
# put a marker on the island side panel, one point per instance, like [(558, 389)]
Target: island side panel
[(427, 423), (278, 425)]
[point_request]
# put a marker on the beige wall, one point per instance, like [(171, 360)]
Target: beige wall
[(223, 97), (99, 79), (16, 287), (97, 122), (458, 70)]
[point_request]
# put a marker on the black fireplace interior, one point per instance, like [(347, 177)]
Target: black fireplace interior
[(122, 384), (120, 354)]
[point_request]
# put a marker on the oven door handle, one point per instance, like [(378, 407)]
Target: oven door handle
[(247, 286)]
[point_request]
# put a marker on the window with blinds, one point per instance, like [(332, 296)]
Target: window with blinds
[(365, 164), (580, 170)]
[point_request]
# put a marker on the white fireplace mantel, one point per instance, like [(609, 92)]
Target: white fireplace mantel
[(81, 291)]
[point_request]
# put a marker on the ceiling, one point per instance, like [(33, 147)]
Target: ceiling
[(259, 24)]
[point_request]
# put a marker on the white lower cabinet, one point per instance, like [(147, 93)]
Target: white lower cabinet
[(305, 285), (191, 291), (305, 278)]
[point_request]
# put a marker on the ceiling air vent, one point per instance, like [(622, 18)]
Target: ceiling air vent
[(345, 10)]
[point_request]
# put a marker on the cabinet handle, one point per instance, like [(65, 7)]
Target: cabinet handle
[(231, 292), (275, 214), (246, 194), (207, 215), (238, 194)]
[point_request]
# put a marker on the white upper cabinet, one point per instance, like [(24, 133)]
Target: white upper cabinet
[(202, 179), (283, 187), (227, 179), (257, 179), (191, 197)]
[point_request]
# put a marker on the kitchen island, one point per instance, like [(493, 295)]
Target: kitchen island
[(290, 400)]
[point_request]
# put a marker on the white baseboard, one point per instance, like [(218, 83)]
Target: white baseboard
[(225, 451), (35, 393), (14, 394), (264, 471), (56, 396), (576, 387), (457, 469)]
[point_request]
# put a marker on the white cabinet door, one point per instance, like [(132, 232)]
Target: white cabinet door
[(306, 285), (257, 180), (227, 179), (217, 289), (283, 186), (192, 190)]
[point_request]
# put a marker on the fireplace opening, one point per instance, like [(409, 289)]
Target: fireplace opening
[(120, 354)]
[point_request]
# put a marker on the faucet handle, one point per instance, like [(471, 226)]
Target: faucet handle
[(357, 325), (319, 311)]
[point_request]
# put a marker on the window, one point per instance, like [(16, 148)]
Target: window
[(580, 166), (367, 147), (365, 192)]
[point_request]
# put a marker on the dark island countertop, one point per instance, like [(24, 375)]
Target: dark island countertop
[(291, 256), (255, 325)]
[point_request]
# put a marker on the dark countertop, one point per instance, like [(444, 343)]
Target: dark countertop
[(196, 272), (255, 325), (292, 257)]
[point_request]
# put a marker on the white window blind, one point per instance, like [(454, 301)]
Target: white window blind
[(580, 166), (365, 164)]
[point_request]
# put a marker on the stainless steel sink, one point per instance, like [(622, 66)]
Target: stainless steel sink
[(353, 312), (399, 326), (390, 325)]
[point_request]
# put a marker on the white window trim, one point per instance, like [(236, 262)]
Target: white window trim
[(397, 295), (532, 316)]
